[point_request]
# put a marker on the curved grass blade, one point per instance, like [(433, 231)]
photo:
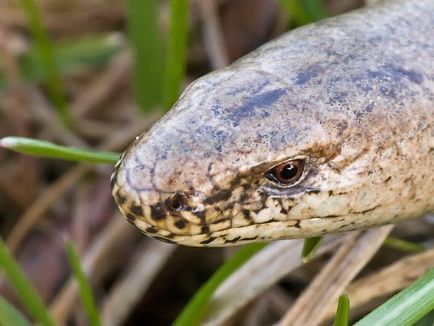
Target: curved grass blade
[(407, 307), (342, 312), (85, 291), (11, 316), (309, 247), (403, 245), (22, 286), (49, 150), (196, 308), (176, 51), (147, 51)]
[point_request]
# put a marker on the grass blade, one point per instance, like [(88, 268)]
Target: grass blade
[(23, 287), (304, 11), (71, 56), (176, 51), (11, 316), (407, 307), (49, 150), (85, 291), (46, 53), (147, 50), (196, 308), (403, 245), (427, 320), (342, 312), (309, 247)]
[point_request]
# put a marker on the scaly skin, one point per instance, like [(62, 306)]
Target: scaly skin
[(353, 96)]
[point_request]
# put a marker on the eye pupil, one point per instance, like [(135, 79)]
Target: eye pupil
[(286, 173)]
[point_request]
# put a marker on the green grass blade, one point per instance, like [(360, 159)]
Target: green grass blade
[(11, 316), (22, 286), (304, 11), (145, 39), (407, 307), (403, 245), (49, 150), (176, 51), (85, 291), (46, 53), (427, 320), (342, 312), (196, 308), (309, 247), (71, 56)]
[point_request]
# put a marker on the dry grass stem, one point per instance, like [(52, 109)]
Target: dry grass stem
[(110, 82), (131, 287), (257, 275), (353, 254), (388, 280), (212, 34), (37, 210)]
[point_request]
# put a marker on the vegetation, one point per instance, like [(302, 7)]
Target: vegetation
[(160, 63)]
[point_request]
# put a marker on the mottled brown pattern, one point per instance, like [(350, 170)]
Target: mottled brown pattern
[(352, 96)]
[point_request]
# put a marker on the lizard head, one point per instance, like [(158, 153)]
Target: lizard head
[(241, 157)]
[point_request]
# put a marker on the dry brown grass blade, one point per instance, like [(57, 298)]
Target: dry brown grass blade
[(257, 275), (42, 204), (19, 101), (213, 38), (129, 289), (389, 280), (110, 82), (44, 115), (96, 263), (324, 290)]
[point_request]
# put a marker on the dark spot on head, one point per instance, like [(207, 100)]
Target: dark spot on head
[(199, 214), (249, 108), (246, 214), (130, 217), (120, 199), (305, 75), (180, 224), (219, 196), (204, 228), (151, 229), (244, 197), (233, 240), (246, 186), (250, 239), (158, 212), (370, 107), (136, 210), (163, 239), (343, 226), (206, 241), (413, 76), (342, 126)]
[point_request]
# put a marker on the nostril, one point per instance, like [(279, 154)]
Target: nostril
[(177, 202)]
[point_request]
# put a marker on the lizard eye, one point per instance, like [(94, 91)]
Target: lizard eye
[(286, 173)]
